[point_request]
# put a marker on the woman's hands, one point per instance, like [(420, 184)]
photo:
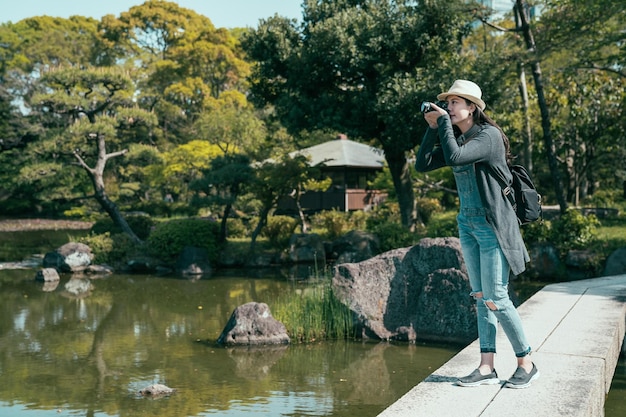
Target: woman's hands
[(432, 116)]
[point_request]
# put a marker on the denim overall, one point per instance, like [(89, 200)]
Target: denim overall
[(487, 268)]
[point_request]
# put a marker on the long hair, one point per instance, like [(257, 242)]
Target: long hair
[(479, 117)]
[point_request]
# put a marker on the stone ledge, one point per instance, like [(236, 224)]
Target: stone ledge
[(576, 330)]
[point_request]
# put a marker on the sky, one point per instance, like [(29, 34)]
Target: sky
[(223, 13)]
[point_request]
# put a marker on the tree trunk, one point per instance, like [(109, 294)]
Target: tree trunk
[(543, 107), (111, 209), (257, 230), (401, 176), (297, 196), (528, 139), (303, 225), (224, 223), (97, 178)]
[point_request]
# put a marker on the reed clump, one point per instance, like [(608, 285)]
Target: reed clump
[(313, 313)]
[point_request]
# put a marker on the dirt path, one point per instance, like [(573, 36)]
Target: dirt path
[(19, 225)]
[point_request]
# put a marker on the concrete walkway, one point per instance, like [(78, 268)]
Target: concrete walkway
[(576, 330)]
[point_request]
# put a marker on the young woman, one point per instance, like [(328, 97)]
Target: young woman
[(466, 139)]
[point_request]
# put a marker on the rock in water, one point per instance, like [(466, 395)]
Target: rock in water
[(253, 324), (156, 390)]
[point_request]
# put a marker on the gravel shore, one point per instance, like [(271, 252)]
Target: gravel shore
[(20, 225)]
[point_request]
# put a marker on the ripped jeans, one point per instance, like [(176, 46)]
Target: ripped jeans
[(488, 272)]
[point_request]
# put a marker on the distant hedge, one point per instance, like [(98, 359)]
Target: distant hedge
[(168, 239)]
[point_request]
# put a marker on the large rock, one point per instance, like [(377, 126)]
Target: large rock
[(616, 263), (411, 293), (355, 246), (71, 257), (545, 262), (253, 324), (366, 288), (307, 247)]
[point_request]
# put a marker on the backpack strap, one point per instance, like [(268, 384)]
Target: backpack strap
[(507, 190)]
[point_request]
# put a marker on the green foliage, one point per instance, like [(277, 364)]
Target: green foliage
[(439, 185), (392, 235), (443, 225), (275, 179), (358, 219), (314, 314), (163, 83), (333, 223), (611, 236), (76, 213), (537, 232), (279, 229), (572, 230), (384, 222), (237, 228), (374, 62), (161, 208), (427, 207), (188, 63), (140, 224), (604, 199), (110, 249), (169, 238)]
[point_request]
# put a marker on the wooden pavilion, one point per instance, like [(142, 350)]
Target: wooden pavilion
[(350, 165)]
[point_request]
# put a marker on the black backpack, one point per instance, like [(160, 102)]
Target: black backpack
[(522, 194)]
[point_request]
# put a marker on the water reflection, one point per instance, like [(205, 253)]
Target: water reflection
[(88, 346)]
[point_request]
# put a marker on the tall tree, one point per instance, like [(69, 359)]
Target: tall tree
[(275, 179), (550, 148), (585, 34), (362, 68), (28, 49), (97, 109), (32, 46), (223, 183), (588, 129), (232, 126), (582, 47), (185, 62)]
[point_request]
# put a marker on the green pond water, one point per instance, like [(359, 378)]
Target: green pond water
[(86, 347)]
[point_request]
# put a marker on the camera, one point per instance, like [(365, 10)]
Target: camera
[(426, 107)]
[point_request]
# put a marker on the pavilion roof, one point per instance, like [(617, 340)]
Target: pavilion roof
[(343, 152)]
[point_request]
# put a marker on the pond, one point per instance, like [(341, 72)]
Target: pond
[(88, 349)]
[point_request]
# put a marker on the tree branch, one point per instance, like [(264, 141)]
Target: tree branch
[(114, 154), (82, 162)]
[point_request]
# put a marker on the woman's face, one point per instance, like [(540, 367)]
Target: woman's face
[(460, 112)]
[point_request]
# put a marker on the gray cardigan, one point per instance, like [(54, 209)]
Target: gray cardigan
[(482, 145)]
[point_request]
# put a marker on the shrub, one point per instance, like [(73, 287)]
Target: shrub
[(443, 225), (358, 219), (279, 229), (427, 207), (334, 223), (110, 249), (393, 235), (537, 232), (385, 213), (603, 198), (236, 228), (169, 238), (572, 230), (81, 213)]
